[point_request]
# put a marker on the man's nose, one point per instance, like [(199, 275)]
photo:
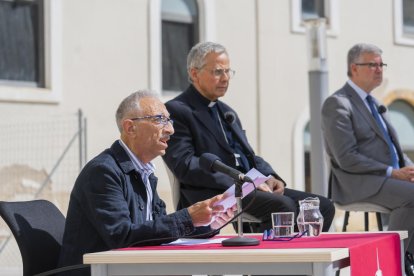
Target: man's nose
[(169, 128), (225, 76)]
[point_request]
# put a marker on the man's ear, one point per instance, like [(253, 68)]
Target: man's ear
[(128, 126), (193, 74), (353, 68)]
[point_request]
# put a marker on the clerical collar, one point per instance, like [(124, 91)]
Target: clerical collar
[(203, 100), (211, 104)]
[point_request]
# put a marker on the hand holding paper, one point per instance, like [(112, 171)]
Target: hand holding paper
[(222, 206), (203, 212), (229, 198), (221, 218), (272, 185)]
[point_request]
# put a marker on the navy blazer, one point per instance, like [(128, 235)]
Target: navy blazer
[(196, 133), (107, 209)]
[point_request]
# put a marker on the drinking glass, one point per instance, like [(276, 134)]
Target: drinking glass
[(283, 223)]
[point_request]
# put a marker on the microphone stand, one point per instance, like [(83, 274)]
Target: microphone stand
[(240, 240)]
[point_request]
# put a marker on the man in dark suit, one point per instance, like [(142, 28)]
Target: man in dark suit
[(114, 202), (204, 124), (367, 163)]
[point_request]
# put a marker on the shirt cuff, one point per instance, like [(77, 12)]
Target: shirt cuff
[(389, 171)]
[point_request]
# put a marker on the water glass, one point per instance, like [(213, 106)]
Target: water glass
[(283, 223)]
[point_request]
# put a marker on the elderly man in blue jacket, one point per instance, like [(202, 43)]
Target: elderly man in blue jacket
[(114, 202)]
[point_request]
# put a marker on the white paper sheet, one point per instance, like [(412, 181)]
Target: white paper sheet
[(229, 199), (195, 241), (229, 196)]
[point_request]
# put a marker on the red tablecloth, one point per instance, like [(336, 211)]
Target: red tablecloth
[(363, 250)]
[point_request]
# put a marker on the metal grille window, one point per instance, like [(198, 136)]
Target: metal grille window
[(312, 9), (179, 34), (408, 17), (303, 10), (21, 42)]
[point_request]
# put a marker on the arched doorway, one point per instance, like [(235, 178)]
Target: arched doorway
[(401, 115)]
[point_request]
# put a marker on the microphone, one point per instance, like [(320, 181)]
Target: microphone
[(382, 109), (230, 117), (212, 163)]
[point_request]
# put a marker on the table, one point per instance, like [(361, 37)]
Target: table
[(220, 261)]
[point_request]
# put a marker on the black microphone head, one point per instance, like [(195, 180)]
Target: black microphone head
[(382, 109), (230, 117), (207, 160)]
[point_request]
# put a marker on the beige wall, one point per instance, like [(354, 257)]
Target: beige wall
[(105, 56)]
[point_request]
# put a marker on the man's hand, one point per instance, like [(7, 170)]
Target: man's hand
[(272, 185), (222, 218), (406, 173), (205, 213)]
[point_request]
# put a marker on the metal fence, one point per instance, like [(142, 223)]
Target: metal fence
[(40, 158)]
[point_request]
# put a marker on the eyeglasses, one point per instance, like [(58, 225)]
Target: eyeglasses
[(268, 235), (373, 65), (158, 119), (218, 73)]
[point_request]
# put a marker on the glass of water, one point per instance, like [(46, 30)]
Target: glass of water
[(283, 223)]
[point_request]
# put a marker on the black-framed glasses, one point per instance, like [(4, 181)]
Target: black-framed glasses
[(373, 65), (268, 235), (158, 119)]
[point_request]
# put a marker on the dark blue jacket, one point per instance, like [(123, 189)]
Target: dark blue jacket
[(107, 210)]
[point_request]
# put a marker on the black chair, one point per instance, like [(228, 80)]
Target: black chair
[(38, 228)]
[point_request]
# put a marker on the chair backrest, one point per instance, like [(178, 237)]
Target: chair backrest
[(175, 187), (38, 228)]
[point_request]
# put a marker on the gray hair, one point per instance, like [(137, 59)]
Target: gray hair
[(197, 55), (131, 105), (357, 50)]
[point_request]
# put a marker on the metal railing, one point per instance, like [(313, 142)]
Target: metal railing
[(41, 158)]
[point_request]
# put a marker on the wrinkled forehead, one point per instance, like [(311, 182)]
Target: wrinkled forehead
[(152, 106), (369, 56), (216, 59)]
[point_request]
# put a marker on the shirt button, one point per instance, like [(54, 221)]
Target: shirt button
[(141, 207)]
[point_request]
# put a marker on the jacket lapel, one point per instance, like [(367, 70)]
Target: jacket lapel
[(363, 110), (122, 158), (235, 128), (202, 114), (359, 104)]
